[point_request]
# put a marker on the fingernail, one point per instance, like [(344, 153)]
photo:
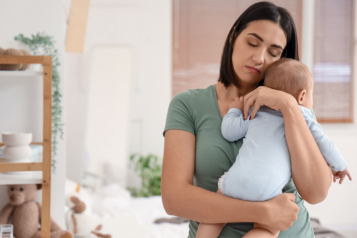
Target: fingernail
[(250, 118)]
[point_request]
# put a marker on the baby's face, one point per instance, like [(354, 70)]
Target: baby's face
[(309, 91)]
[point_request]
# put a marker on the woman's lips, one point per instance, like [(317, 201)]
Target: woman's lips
[(253, 70)]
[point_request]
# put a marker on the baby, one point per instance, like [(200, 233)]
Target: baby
[(262, 167)]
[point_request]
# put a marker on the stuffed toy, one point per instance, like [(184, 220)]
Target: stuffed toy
[(80, 224), (12, 51), (25, 66), (25, 214)]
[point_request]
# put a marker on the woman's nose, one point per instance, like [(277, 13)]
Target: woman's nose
[(258, 57)]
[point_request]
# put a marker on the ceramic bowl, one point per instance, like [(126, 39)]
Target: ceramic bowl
[(17, 152), (17, 161), (16, 139)]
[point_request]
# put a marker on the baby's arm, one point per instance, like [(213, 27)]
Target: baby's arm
[(328, 149), (233, 125)]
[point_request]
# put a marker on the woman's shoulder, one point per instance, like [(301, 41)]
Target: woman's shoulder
[(190, 96), (184, 108)]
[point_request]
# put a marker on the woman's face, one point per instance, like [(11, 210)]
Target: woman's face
[(260, 44)]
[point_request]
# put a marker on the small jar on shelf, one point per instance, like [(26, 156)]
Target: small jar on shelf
[(6, 231)]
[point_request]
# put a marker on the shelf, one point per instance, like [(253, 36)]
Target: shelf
[(21, 73), (9, 167), (34, 177)]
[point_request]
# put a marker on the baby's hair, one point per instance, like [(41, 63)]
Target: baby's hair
[(288, 75)]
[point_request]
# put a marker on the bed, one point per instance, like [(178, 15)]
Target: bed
[(124, 216)]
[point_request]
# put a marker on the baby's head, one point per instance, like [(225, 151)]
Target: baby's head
[(293, 77)]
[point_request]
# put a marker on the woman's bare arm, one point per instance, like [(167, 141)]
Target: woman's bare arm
[(310, 172), (181, 198)]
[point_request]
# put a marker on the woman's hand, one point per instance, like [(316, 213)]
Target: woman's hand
[(281, 211), (274, 99)]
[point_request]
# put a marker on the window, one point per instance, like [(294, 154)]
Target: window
[(333, 52), (200, 28)]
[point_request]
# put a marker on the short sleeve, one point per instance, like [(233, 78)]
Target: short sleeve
[(180, 113)]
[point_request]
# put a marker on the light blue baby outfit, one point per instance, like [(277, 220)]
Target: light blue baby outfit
[(262, 167)]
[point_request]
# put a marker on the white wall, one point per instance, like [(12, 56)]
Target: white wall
[(31, 17), (339, 210), (107, 130), (145, 26)]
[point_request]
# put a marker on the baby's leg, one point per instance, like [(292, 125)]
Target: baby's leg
[(210, 230), (262, 231)]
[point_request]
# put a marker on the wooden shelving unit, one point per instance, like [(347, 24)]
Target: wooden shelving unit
[(40, 172)]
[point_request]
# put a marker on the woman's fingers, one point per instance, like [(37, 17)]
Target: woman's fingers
[(285, 211), (249, 100), (255, 110), (291, 196)]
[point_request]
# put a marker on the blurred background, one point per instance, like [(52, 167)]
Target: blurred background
[(121, 62)]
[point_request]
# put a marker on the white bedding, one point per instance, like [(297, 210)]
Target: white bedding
[(123, 216)]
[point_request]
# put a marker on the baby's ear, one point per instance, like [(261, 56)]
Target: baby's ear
[(301, 97)]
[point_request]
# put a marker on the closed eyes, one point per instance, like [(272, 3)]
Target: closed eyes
[(257, 45)]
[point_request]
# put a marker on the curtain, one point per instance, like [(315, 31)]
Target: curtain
[(333, 52), (200, 28)]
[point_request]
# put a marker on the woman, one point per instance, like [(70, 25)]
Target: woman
[(196, 154)]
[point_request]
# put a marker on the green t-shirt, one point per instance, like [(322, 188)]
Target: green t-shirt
[(196, 111)]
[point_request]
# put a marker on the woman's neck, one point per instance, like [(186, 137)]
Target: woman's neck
[(230, 93)]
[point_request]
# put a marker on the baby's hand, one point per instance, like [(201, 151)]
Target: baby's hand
[(341, 175), (237, 103)]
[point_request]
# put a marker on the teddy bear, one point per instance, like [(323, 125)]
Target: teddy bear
[(77, 222), (25, 213)]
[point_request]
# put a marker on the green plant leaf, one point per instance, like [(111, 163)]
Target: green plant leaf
[(149, 169), (44, 45)]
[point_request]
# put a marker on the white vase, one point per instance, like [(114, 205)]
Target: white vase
[(17, 149), (16, 139), (14, 153)]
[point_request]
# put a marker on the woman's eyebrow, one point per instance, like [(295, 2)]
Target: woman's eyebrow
[(277, 46), (257, 36), (261, 39)]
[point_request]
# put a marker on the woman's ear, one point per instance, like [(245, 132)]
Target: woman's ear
[(301, 97)]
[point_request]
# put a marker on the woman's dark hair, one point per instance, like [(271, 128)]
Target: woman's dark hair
[(257, 11)]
